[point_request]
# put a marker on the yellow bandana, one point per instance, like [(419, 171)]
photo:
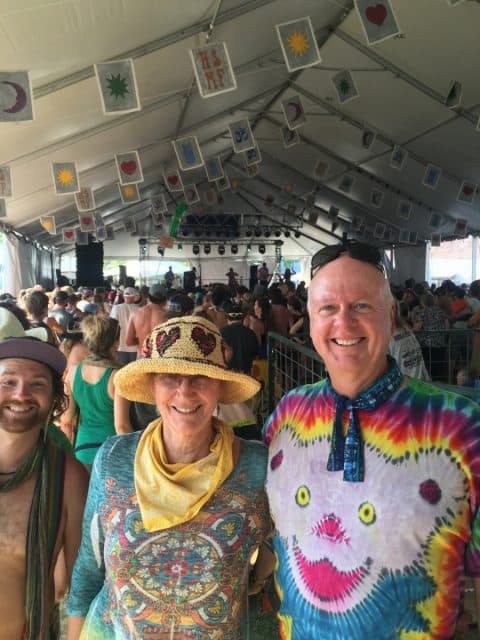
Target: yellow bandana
[(169, 494)]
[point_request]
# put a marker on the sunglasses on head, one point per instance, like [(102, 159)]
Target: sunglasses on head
[(352, 248)]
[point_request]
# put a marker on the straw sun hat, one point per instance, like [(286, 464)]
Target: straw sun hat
[(189, 345)]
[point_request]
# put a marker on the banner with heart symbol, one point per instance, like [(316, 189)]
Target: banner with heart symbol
[(378, 20), (87, 223), (129, 168), (467, 192), (172, 180), (68, 235)]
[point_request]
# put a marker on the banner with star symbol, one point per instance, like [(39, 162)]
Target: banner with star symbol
[(118, 86)]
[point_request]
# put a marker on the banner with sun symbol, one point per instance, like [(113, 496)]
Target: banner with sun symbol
[(118, 86), (129, 167), (129, 193), (5, 182), (345, 86), (85, 200), (15, 97), (48, 223), (65, 178), (213, 69), (299, 44)]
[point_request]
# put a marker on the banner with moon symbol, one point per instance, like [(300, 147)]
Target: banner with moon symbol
[(214, 169), (129, 193), (188, 152), (298, 43), (173, 180), (294, 112), (242, 136), (15, 97), (85, 200), (68, 235), (377, 19), (5, 182), (290, 137), (118, 86), (48, 223), (191, 194), (213, 69), (128, 167), (65, 178)]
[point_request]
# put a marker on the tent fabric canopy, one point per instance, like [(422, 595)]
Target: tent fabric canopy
[(402, 82)]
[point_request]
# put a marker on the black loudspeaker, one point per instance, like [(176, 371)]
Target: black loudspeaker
[(122, 274), (253, 276), (189, 281), (89, 264)]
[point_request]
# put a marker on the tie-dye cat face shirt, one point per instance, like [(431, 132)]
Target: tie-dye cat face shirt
[(383, 558)]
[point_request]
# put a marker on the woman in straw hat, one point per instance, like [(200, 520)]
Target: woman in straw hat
[(176, 512)]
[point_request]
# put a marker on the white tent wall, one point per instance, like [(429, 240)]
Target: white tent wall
[(410, 262)]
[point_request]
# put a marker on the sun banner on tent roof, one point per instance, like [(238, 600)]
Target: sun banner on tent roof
[(298, 43), (65, 178), (129, 193), (15, 96), (467, 192), (118, 86), (48, 223)]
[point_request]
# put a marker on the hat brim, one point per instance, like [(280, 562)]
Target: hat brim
[(33, 349), (132, 381)]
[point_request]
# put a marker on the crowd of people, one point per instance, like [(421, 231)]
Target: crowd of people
[(127, 393)]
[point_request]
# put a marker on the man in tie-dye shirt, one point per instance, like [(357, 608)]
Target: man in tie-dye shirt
[(373, 478)]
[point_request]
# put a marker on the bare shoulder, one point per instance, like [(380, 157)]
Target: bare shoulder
[(76, 479)]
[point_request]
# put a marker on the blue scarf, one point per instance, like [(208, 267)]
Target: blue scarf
[(347, 452)]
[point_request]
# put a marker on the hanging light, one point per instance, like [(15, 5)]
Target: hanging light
[(206, 249), (261, 248), (234, 249), (196, 249), (221, 249)]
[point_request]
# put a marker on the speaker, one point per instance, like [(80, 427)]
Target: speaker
[(189, 281), (89, 264), (253, 276), (122, 274)]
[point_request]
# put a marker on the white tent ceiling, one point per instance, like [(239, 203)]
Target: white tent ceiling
[(402, 82)]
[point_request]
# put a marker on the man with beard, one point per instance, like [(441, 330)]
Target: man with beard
[(42, 488)]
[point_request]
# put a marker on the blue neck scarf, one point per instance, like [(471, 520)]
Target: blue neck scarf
[(346, 452)]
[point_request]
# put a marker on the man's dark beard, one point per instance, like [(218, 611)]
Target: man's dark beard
[(23, 422)]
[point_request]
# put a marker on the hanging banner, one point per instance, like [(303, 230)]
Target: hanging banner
[(378, 20), (65, 178), (404, 209), (188, 152), (213, 69), (85, 200), (129, 193), (298, 43), (130, 225), (467, 192), (81, 237), (175, 221), (68, 235), (398, 159), (376, 198), (129, 168), (5, 182), (190, 192), (345, 86), (172, 180), (15, 97), (158, 203), (110, 233), (290, 137), (431, 177), (118, 87), (87, 223), (242, 136), (48, 223), (214, 169), (294, 112), (100, 234), (252, 156)]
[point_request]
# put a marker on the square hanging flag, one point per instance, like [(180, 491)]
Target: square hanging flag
[(290, 137), (436, 239), (110, 233), (298, 43), (158, 220), (129, 167), (98, 220), (431, 176), (224, 183), (242, 136), (129, 193), (346, 183), (435, 220), (252, 170), (345, 86), (453, 98), (294, 112), (378, 20), (214, 169), (461, 228), (68, 234), (15, 97), (188, 152), (376, 198), (5, 182), (65, 178), (467, 192), (173, 180), (85, 200), (210, 197), (100, 234), (190, 192), (158, 203), (87, 222), (252, 156), (48, 223), (368, 138), (130, 225), (404, 236), (398, 159), (404, 209), (118, 86), (379, 230), (320, 169), (81, 237), (213, 69)]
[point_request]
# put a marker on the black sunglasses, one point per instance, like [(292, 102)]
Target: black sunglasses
[(352, 248)]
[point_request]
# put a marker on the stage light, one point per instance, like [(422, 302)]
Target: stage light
[(206, 249), (196, 249), (286, 233), (185, 231), (142, 241), (198, 233), (234, 249), (258, 232), (221, 249), (297, 234), (278, 233), (161, 251), (249, 233), (267, 233), (180, 247), (261, 248)]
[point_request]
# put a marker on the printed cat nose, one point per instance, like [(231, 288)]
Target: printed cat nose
[(330, 528)]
